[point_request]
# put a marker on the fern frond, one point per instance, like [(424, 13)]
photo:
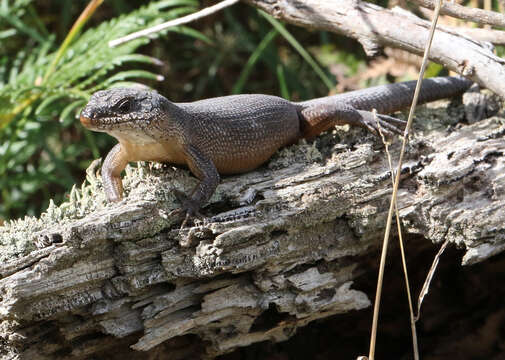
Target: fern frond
[(39, 85), (91, 54)]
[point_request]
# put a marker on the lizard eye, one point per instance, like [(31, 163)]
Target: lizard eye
[(124, 106)]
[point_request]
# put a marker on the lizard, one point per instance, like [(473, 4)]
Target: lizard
[(236, 133)]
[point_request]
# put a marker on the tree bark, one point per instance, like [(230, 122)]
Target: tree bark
[(280, 248), (480, 16)]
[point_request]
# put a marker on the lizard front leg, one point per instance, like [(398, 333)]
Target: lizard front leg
[(114, 163), (204, 169)]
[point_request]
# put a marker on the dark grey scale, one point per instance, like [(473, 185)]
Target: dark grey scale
[(242, 131), (387, 99)]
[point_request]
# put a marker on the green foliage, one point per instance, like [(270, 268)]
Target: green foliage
[(300, 49), (248, 55), (42, 90), (278, 28)]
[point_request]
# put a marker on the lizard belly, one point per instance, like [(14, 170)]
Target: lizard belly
[(154, 151), (239, 165), (237, 159)]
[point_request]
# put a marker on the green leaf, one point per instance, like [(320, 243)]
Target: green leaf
[(246, 71), (21, 27), (282, 81), (48, 101), (140, 58), (132, 74), (330, 84), (69, 110), (184, 30)]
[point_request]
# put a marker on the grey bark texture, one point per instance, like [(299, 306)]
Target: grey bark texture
[(280, 247)]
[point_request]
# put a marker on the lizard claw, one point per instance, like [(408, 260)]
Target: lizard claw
[(377, 123), (188, 206)]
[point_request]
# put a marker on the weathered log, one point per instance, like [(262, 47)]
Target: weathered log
[(280, 246)]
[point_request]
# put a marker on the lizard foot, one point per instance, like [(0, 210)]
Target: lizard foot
[(377, 123), (188, 206)]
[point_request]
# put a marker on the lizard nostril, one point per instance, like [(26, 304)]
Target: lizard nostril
[(86, 117), (86, 121)]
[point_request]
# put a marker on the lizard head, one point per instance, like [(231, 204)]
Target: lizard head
[(125, 113)]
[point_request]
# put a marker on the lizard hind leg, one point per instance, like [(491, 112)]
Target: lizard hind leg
[(317, 118)]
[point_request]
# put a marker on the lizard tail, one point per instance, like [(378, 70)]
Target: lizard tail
[(386, 99)]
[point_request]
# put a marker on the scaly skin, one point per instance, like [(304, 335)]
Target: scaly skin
[(235, 134)]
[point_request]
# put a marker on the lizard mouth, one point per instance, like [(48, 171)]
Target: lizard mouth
[(101, 124)]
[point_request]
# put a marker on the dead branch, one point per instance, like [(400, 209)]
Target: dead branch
[(375, 27), (479, 16)]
